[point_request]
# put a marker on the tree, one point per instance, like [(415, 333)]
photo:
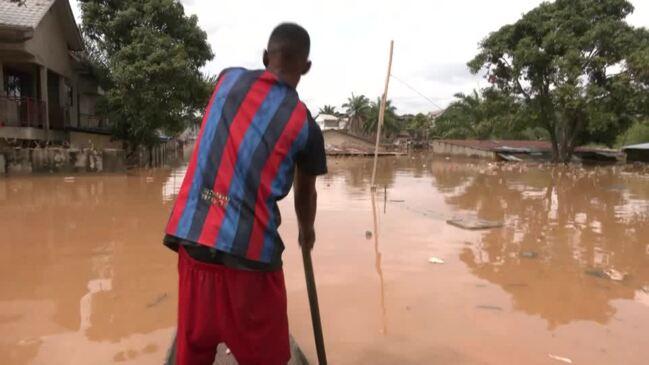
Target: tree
[(328, 109), (558, 58), (153, 54), (356, 109), (419, 126), (391, 123), (490, 115)]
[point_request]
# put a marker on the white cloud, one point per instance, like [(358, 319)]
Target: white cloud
[(350, 40)]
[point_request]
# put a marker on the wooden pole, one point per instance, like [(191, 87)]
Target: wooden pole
[(313, 303), (384, 98)]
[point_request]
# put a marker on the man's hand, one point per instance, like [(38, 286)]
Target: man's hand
[(307, 239), (306, 202)]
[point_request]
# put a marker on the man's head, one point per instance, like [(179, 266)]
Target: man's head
[(287, 53)]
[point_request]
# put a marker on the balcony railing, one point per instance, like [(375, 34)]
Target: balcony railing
[(21, 112), (93, 122)]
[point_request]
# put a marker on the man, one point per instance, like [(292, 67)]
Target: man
[(255, 138)]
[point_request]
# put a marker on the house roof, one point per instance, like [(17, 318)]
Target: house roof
[(641, 146), (29, 15), (512, 145), (26, 15)]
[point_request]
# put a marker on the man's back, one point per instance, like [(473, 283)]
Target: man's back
[(255, 131)]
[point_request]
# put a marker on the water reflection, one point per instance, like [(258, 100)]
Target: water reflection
[(75, 266), (560, 223), (378, 262)]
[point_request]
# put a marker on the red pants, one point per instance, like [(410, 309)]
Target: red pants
[(244, 309)]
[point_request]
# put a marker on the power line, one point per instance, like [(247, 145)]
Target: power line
[(417, 91)]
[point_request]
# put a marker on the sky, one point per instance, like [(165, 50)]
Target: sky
[(350, 43)]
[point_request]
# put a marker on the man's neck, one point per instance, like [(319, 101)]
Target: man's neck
[(287, 77)]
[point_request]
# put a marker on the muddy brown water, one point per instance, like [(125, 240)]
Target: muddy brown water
[(84, 278)]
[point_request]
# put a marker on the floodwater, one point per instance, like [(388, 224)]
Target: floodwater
[(85, 279)]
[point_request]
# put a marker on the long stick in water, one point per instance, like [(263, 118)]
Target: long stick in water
[(313, 303), (384, 98)]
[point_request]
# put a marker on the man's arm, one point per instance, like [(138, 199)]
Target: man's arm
[(306, 204)]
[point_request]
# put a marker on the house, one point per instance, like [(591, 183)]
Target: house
[(637, 152), (328, 121), (46, 90), (515, 150)]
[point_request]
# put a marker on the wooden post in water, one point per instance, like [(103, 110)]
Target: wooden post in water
[(313, 304), (384, 98)]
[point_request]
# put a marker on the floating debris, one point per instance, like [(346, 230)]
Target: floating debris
[(435, 260), (474, 223), (560, 358), (159, 299), (368, 235), (149, 179), (397, 201), (68, 179), (610, 274), (529, 254), (490, 307)]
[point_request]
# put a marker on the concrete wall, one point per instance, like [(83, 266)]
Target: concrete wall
[(92, 140), (62, 160), (448, 149), (340, 139)]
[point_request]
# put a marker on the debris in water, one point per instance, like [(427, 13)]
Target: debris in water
[(473, 223), (68, 179), (149, 179), (468, 243), (368, 235), (435, 260), (529, 254), (157, 300), (560, 358), (397, 201), (490, 307), (610, 274)]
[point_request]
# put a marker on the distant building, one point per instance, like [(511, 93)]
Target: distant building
[(515, 150), (637, 152), (46, 90), (328, 121)]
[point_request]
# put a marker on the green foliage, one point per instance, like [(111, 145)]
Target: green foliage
[(490, 115), (357, 109), (391, 123), (151, 53), (558, 58), (637, 133), (328, 109), (419, 126)]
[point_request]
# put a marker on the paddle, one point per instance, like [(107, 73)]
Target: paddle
[(313, 303)]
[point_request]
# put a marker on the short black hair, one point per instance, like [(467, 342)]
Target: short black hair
[(291, 40)]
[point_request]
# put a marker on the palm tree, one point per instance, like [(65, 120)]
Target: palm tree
[(390, 119), (356, 109), (328, 109)]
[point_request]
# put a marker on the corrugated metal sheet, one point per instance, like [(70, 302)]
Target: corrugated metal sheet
[(512, 145), (27, 15), (641, 146)]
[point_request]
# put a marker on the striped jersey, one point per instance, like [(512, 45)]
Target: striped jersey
[(255, 132)]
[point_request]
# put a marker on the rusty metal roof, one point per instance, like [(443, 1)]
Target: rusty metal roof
[(512, 145), (26, 15)]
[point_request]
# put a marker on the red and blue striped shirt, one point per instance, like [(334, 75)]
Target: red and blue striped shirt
[(255, 131)]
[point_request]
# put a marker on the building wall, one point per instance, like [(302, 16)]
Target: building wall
[(49, 45), (448, 149), (637, 155), (339, 139), (87, 140), (50, 49)]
